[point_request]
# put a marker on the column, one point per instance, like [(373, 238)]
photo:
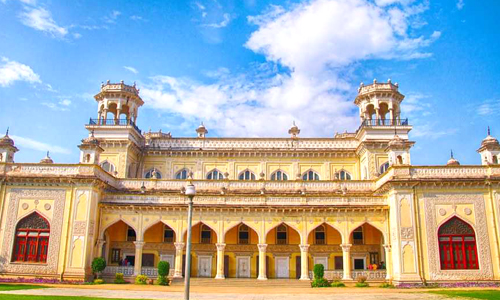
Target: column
[(391, 115), (304, 259), (388, 262), (105, 112), (138, 257), (262, 261), (179, 251), (346, 252), (377, 115), (117, 117), (220, 261), (100, 244), (99, 115)]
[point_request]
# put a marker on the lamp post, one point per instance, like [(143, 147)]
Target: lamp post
[(190, 192)]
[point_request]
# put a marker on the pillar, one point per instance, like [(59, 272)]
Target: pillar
[(220, 261), (346, 254), (99, 115), (304, 265), (391, 114), (179, 251), (105, 112), (138, 257), (262, 261), (388, 262), (100, 244), (377, 114), (117, 117)]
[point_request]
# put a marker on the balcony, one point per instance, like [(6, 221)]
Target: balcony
[(113, 122), (383, 122)]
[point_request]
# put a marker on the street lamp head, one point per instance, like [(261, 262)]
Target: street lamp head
[(190, 190), (143, 188)]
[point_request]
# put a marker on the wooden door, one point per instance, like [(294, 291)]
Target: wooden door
[(243, 267), (226, 266), (282, 267), (298, 269), (339, 263), (148, 260)]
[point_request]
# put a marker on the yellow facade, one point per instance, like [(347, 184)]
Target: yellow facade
[(265, 207)]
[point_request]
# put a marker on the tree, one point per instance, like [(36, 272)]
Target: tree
[(98, 265)]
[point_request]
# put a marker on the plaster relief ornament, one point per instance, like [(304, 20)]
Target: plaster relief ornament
[(47, 206), (25, 206), (467, 211), (442, 211)]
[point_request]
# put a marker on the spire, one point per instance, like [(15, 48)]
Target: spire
[(451, 156), (452, 161), (489, 132), (7, 132)]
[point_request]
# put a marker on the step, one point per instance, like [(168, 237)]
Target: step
[(239, 282)]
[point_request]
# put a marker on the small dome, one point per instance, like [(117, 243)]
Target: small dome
[(47, 159), (490, 141), (6, 140), (452, 161), (294, 130), (91, 140)]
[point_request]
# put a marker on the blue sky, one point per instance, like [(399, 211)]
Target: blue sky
[(249, 68)]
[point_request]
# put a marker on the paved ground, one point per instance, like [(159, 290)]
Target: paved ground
[(236, 294)]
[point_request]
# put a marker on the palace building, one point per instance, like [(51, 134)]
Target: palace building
[(265, 208)]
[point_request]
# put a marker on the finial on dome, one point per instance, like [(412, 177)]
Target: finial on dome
[(294, 130), (452, 161), (389, 80), (451, 153), (374, 80), (7, 132), (47, 159), (489, 132), (201, 130)]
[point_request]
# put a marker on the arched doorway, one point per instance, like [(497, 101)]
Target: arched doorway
[(325, 249), (203, 255), (119, 248), (241, 253), (283, 252), (367, 252), (32, 239), (457, 245), (159, 246)]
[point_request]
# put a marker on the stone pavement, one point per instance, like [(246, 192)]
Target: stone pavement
[(234, 294)]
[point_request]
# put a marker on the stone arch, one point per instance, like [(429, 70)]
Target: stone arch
[(162, 222), (339, 230), (44, 216), (455, 215), (101, 235), (223, 237), (381, 230), (184, 232), (289, 225)]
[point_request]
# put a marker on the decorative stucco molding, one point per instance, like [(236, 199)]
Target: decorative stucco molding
[(485, 271), (56, 224)]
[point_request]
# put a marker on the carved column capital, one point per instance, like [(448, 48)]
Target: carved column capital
[(346, 247), (262, 247), (387, 247), (220, 246), (101, 242), (304, 248), (179, 246), (139, 244)]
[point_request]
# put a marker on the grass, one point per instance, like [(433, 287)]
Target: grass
[(30, 297), (480, 294), (15, 287)]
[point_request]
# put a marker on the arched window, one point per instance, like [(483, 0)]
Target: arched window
[(108, 167), (168, 234), (282, 235), (32, 239), (495, 160), (182, 174), (384, 167), (457, 245), (131, 236), (310, 175), (246, 175), (279, 175), (243, 234), (215, 175), (399, 159), (357, 236), (206, 234), (153, 173), (343, 175), (320, 235)]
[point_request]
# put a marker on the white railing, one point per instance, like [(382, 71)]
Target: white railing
[(149, 271), (370, 275), (112, 270), (330, 275)]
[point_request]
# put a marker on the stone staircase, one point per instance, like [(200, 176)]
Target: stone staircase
[(245, 282)]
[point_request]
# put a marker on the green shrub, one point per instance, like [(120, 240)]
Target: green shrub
[(387, 285), (163, 268), (361, 279), (141, 279), (362, 284), (337, 283), (98, 265), (320, 282), (319, 271), (119, 278), (162, 280), (98, 281)]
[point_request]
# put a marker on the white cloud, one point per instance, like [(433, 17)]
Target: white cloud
[(111, 18), (490, 107), (39, 146), (221, 24), (41, 19), (319, 43), (131, 69), (60, 106), (65, 102), (137, 18), (460, 4), (11, 71)]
